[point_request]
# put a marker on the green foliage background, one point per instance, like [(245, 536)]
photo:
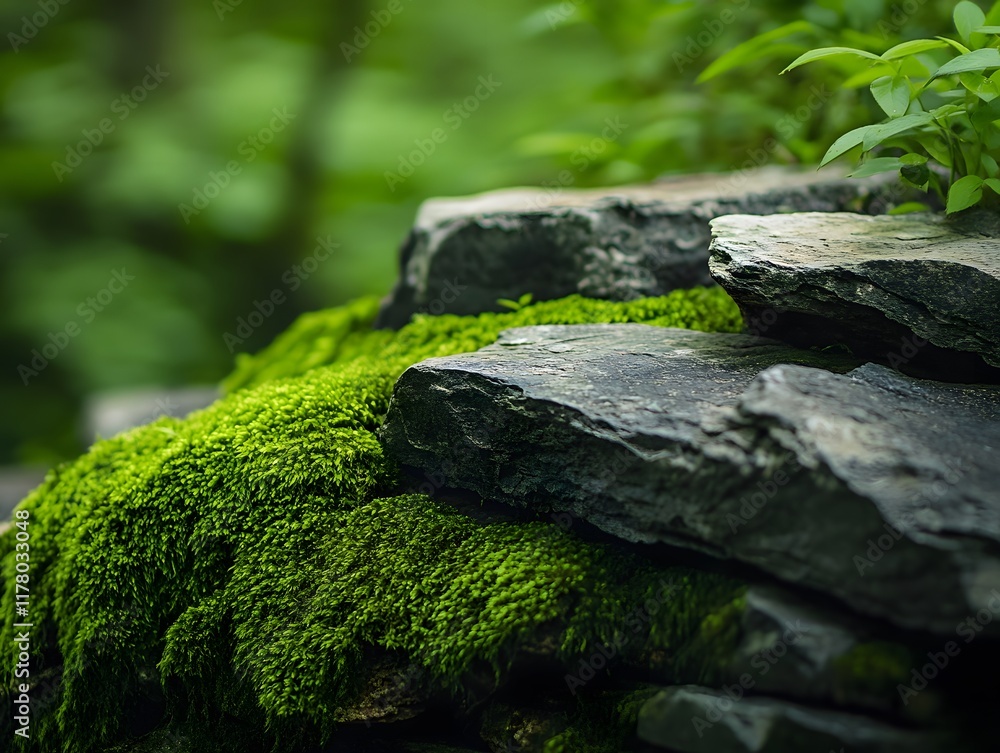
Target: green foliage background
[(564, 69)]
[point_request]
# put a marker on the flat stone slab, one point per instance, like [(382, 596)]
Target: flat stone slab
[(876, 488), (909, 291), (613, 243), (692, 719)]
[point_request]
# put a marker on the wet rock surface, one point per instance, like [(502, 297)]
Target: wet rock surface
[(917, 293), (876, 489), (692, 719), (618, 244)]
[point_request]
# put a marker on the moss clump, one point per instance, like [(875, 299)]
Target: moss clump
[(243, 561)]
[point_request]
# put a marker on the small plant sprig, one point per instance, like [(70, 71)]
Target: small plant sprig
[(938, 114), (520, 303)]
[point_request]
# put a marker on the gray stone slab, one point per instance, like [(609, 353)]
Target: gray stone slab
[(913, 291), (615, 243), (875, 488)]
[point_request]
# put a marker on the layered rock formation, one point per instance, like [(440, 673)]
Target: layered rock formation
[(463, 254)]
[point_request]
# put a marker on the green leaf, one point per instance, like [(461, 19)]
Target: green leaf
[(909, 207), (753, 49), (879, 133), (964, 193), (977, 60), (938, 149), (993, 184), (848, 141), (524, 300), (990, 165), (968, 17), (892, 94), (913, 159), (508, 303), (988, 30), (912, 47), (866, 76), (984, 88), (876, 166), (915, 174), (957, 45), (828, 52)]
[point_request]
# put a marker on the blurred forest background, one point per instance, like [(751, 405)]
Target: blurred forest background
[(205, 149)]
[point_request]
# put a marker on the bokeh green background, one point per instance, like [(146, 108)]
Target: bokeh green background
[(563, 70)]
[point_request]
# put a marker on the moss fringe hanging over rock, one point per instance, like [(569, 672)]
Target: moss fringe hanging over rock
[(245, 562)]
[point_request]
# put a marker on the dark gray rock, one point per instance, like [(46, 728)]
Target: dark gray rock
[(613, 243), (915, 292), (691, 719), (878, 489), (797, 650)]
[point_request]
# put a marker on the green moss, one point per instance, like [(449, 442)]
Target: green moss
[(605, 725), (872, 670), (339, 335), (246, 558)]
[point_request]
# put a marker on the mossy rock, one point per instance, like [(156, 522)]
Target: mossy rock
[(244, 563)]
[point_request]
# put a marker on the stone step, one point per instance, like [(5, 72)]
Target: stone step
[(918, 293), (614, 243), (874, 488)]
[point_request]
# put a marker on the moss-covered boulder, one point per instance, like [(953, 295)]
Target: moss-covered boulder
[(232, 581)]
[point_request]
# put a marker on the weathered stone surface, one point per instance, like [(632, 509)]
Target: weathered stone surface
[(615, 243), (691, 719), (796, 650), (881, 285), (876, 488)]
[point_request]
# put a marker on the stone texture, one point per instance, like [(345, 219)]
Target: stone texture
[(880, 285), (876, 488), (613, 243), (793, 649), (691, 719)]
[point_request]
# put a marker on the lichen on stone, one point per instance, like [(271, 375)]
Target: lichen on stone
[(243, 563)]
